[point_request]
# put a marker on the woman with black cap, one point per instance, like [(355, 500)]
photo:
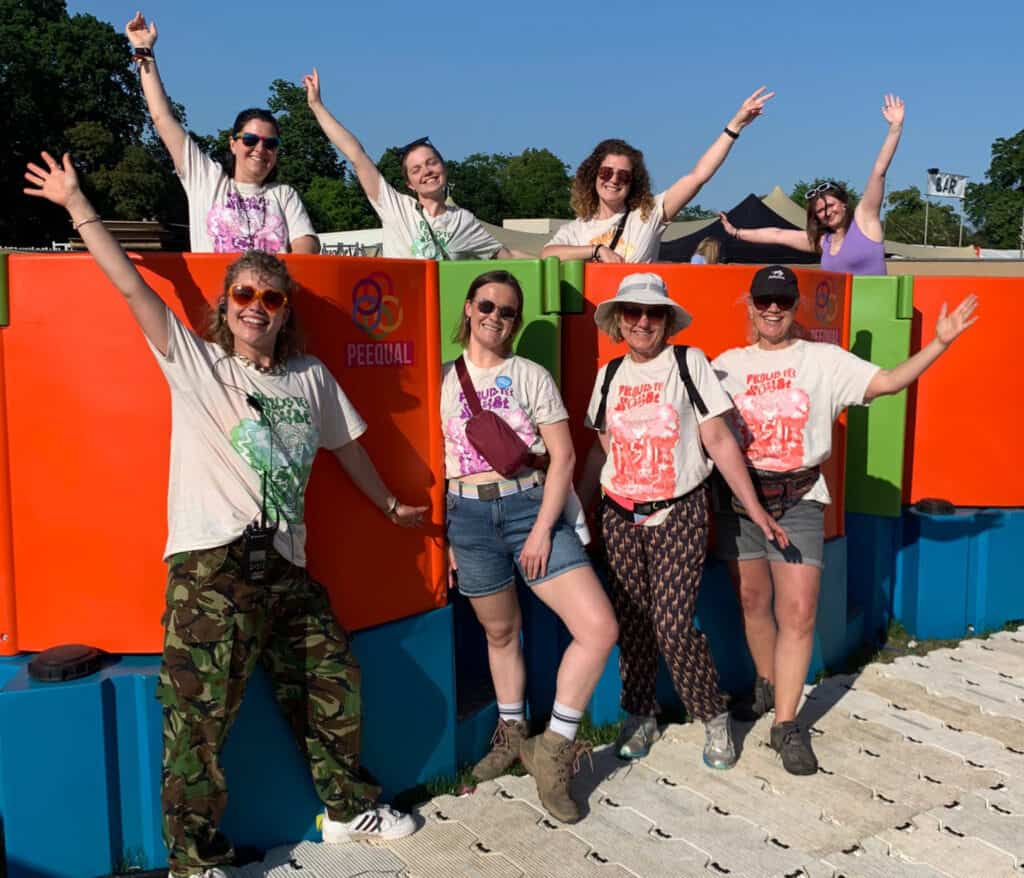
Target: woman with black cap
[(658, 412), (787, 393)]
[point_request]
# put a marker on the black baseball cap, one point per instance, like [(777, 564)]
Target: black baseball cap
[(774, 280)]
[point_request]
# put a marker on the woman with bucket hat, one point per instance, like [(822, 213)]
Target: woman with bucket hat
[(787, 393), (658, 412), (848, 239)]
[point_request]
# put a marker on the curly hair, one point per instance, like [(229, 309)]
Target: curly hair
[(240, 121), (460, 335), (272, 271), (815, 227), (583, 197)]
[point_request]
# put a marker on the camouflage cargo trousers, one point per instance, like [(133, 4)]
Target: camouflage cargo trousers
[(217, 626)]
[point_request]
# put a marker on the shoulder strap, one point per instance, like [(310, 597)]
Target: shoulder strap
[(684, 373), (618, 230), (609, 374), (468, 390), (442, 253)]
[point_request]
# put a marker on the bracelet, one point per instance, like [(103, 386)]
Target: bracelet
[(141, 52), (597, 248), (391, 507), (733, 134), (95, 218)]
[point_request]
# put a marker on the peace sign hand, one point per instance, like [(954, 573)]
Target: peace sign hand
[(893, 110), (949, 326), (54, 182), (751, 108)]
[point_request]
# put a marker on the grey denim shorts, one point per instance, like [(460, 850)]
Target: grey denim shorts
[(737, 538)]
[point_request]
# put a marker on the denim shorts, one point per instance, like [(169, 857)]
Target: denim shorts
[(488, 535), (737, 538)]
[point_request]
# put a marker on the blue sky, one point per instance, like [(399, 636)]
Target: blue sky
[(665, 76)]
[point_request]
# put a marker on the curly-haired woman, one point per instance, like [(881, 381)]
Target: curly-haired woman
[(618, 219)]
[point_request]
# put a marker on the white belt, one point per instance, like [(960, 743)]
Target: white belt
[(494, 490)]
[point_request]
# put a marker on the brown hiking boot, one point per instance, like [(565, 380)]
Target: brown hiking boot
[(504, 750), (553, 760)]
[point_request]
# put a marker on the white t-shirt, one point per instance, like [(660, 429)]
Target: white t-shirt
[(654, 447), (787, 400), (220, 446), (406, 232), (229, 217), (640, 238), (520, 391)]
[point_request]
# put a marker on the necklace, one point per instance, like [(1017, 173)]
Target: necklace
[(272, 369)]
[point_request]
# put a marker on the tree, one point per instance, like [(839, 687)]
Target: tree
[(802, 187), (305, 152), (476, 185), (996, 207), (335, 204), (904, 220), (693, 212), (536, 184)]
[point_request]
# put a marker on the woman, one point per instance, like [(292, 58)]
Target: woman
[(422, 226), (787, 393), (249, 412), (655, 422), (500, 526), (708, 252), (848, 241), (617, 217), (230, 209)]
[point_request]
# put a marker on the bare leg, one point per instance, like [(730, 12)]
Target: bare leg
[(752, 581), (796, 606), (502, 621)]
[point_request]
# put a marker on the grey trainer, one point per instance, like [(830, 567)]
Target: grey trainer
[(637, 734), (719, 751)]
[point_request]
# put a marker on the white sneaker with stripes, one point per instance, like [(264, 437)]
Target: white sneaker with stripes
[(382, 823)]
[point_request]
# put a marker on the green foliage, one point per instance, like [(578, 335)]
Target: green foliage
[(390, 167), (996, 207), (305, 153), (536, 184), (336, 204), (904, 220), (801, 187), (476, 185), (693, 212)]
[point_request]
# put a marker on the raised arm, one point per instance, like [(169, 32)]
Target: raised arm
[(947, 328), (143, 36), (59, 184), (793, 238), (342, 138), (869, 208), (681, 192)]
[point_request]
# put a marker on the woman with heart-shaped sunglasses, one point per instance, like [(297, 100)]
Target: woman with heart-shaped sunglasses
[(238, 206), (617, 217), (848, 239)]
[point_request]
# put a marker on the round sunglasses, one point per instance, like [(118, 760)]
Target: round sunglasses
[(272, 300), (505, 312), (250, 140), (620, 175)]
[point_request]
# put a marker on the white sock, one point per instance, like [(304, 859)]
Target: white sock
[(512, 712), (565, 720)]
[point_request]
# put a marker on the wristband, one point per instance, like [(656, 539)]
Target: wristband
[(95, 218), (733, 134), (141, 52), (391, 506), (597, 248)]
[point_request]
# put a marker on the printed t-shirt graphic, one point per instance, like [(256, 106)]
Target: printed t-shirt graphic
[(643, 434), (770, 418), (246, 222), (501, 399)]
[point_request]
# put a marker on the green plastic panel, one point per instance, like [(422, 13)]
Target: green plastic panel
[(539, 338), (565, 278), (881, 310), (5, 314)]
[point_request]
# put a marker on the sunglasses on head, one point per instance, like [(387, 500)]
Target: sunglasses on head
[(619, 175), (505, 312), (250, 140), (403, 151), (822, 188), (633, 313), (785, 303), (272, 300)]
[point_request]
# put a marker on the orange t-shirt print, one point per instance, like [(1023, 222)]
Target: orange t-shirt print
[(643, 432)]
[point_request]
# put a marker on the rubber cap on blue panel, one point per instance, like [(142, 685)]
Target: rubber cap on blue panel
[(72, 661)]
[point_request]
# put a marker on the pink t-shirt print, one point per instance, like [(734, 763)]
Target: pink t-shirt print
[(772, 415), (643, 432), (246, 222), (499, 399)]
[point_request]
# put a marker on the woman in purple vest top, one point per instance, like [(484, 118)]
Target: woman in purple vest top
[(847, 241)]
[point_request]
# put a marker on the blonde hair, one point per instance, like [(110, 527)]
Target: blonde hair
[(608, 323), (711, 249), (796, 330)]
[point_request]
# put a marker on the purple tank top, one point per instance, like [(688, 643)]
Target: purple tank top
[(858, 254)]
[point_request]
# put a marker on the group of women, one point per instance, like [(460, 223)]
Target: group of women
[(665, 418)]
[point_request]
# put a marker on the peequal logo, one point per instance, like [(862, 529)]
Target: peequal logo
[(826, 308), (378, 313), (375, 309)]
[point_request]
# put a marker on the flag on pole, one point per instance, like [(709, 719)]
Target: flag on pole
[(946, 185)]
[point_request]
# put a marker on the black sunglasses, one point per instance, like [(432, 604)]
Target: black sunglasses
[(505, 312), (633, 313), (250, 140), (785, 303), (403, 151)]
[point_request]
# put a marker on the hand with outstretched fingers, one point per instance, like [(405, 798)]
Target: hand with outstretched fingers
[(140, 34), (751, 108), (893, 110), (949, 326), (56, 183)]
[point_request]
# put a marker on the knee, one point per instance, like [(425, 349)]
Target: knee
[(755, 600), (798, 617), (502, 634), (606, 633)]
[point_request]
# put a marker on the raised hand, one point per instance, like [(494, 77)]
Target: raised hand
[(949, 326), (893, 110), (56, 183), (312, 83), (730, 229), (140, 34), (751, 108)]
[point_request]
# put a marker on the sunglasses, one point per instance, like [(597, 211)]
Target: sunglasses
[(403, 151), (505, 312), (785, 303), (250, 140), (633, 313), (822, 188), (272, 300), (619, 175)]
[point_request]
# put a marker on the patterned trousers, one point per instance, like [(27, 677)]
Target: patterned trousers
[(655, 577), (217, 626)]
